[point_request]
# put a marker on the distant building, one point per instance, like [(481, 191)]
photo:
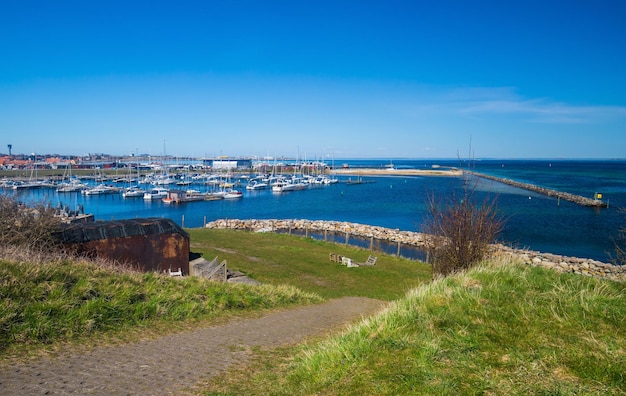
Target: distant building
[(95, 165), (228, 163)]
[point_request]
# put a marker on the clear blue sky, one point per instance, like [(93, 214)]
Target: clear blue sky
[(349, 79)]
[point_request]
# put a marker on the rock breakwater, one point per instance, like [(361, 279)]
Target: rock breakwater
[(577, 199), (581, 266)]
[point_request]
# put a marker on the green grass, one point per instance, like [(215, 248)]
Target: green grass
[(499, 329), (54, 302), (48, 303), (305, 264), (496, 330)]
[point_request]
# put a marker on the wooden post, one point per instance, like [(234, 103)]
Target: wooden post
[(306, 231), (398, 253), (371, 243), (347, 237), (325, 235), (183, 222), (204, 226)]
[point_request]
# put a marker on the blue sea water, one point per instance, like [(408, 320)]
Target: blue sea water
[(534, 221)]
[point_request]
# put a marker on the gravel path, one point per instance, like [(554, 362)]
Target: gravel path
[(175, 363)]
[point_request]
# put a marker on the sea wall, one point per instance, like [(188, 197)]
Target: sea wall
[(577, 199), (559, 263)]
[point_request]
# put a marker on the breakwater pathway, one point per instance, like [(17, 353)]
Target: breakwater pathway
[(577, 199), (177, 363), (559, 263)]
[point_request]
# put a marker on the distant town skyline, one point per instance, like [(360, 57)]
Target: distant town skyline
[(4, 157), (315, 80)]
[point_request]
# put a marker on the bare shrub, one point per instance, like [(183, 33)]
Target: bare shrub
[(618, 257), (30, 227), (24, 254), (37, 257), (28, 234), (462, 229)]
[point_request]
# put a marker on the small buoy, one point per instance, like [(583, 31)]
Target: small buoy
[(529, 197)]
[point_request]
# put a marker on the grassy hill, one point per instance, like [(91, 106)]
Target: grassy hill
[(46, 303), (498, 329)]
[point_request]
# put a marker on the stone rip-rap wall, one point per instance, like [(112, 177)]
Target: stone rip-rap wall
[(576, 265)]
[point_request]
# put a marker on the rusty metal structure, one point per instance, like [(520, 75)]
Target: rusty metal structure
[(150, 244)]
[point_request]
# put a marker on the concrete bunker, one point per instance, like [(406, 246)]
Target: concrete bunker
[(149, 244)]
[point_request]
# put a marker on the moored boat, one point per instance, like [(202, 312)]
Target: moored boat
[(233, 194), (155, 193), (293, 185), (100, 189), (180, 196), (74, 185), (33, 184), (133, 192), (256, 185)]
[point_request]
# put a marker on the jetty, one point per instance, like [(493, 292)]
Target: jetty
[(398, 172), (577, 199)]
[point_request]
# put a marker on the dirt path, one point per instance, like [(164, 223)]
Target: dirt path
[(173, 363)]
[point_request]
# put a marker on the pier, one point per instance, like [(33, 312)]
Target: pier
[(577, 199)]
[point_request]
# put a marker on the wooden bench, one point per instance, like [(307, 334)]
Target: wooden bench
[(371, 260)]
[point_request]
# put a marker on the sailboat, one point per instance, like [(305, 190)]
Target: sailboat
[(70, 183), (100, 189), (256, 184), (134, 191), (33, 182), (73, 185)]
